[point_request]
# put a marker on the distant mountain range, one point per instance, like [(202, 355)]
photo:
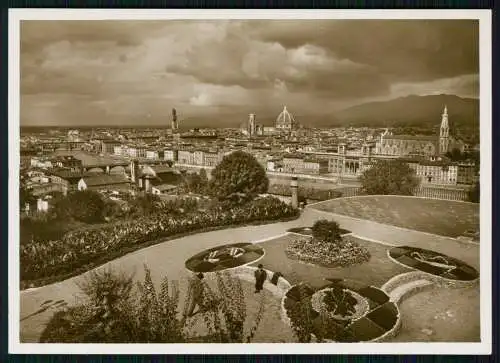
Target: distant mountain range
[(423, 111), (413, 111)]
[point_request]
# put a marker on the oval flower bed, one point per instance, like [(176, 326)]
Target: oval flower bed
[(343, 253), (433, 263), (224, 257)]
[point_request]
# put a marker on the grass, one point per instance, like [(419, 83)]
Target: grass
[(441, 315), (374, 272), (445, 218)]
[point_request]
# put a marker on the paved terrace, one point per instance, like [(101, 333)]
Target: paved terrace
[(168, 258)]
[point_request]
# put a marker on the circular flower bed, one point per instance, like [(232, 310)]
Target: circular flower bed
[(433, 263), (224, 257), (368, 315), (343, 253), (340, 304)]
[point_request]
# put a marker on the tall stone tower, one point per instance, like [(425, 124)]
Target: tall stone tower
[(444, 133), (251, 124), (175, 125)]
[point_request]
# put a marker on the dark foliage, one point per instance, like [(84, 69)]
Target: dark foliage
[(389, 177), (82, 248), (327, 231), (85, 206), (239, 174)]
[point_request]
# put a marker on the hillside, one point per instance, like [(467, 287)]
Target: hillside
[(413, 111)]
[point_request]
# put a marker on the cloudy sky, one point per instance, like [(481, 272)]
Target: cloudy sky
[(132, 72)]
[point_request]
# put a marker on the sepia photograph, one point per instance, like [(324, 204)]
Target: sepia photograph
[(241, 182)]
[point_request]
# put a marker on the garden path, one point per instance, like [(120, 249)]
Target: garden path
[(168, 259)]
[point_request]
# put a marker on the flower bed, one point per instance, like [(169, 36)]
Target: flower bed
[(327, 301), (82, 250), (224, 257), (375, 319), (433, 263), (344, 253)]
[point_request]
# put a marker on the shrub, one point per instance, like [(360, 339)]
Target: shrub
[(147, 315), (327, 231), (83, 248)]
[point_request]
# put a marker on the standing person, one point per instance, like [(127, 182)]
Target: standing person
[(260, 277), (195, 293)]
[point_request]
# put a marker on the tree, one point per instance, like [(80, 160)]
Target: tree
[(388, 177), (327, 231), (238, 174), (474, 193), (85, 206)]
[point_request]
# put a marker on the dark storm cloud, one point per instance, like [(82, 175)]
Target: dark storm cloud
[(407, 50), (36, 34), (148, 67)]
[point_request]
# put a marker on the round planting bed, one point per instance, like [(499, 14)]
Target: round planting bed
[(439, 267), (370, 316), (225, 257)]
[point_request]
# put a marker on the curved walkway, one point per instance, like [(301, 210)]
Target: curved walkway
[(168, 258)]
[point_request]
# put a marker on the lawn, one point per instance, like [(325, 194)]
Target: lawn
[(445, 218), (441, 315), (374, 272)]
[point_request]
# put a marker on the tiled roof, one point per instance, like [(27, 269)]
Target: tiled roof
[(165, 187), (67, 174), (160, 169)]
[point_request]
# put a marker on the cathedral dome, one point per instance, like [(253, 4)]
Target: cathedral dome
[(285, 120)]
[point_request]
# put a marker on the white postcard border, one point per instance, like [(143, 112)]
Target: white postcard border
[(484, 347)]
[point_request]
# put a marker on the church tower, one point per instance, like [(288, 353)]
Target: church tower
[(175, 125), (444, 133), (251, 124)]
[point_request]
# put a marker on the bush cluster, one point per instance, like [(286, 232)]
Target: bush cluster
[(84, 248)]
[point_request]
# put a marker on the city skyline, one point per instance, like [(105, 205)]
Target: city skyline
[(132, 72)]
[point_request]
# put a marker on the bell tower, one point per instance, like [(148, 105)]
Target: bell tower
[(444, 133)]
